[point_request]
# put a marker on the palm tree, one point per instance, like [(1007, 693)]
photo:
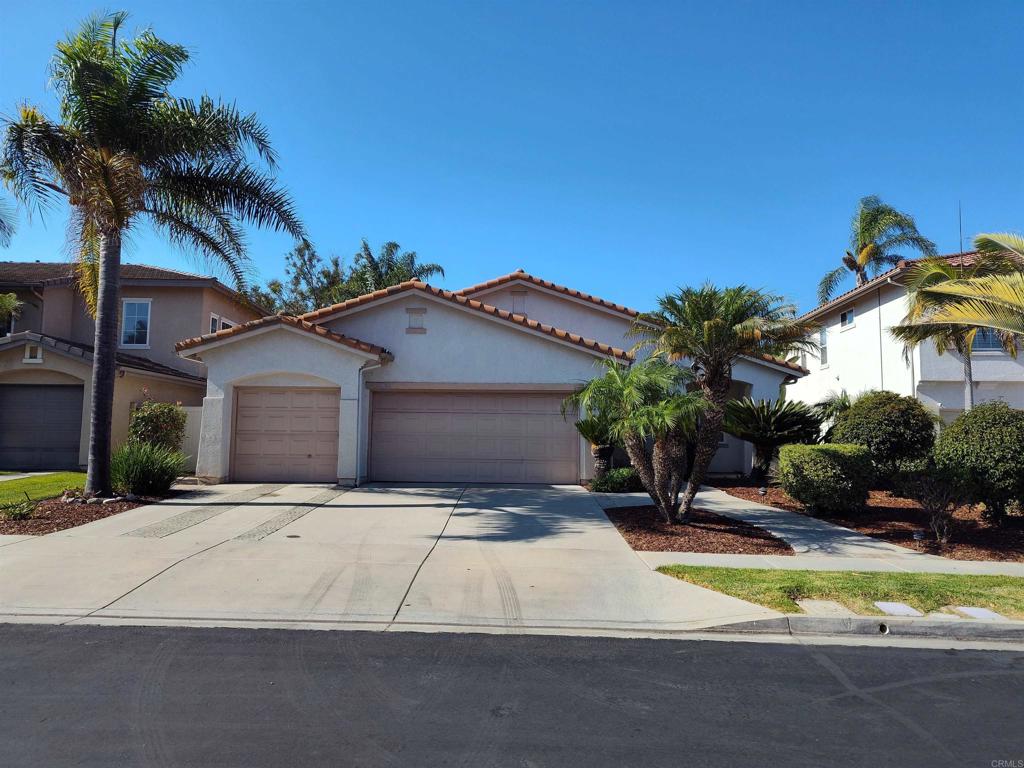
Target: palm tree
[(767, 424), (712, 328), (831, 408), (374, 272), (125, 151), (596, 430), (651, 414), (6, 224), (878, 232), (9, 306), (995, 302), (919, 326)]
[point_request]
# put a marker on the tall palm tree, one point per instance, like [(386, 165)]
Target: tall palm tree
[(6, 224), (712, 328), (373, 272), (995, 302), (919, 326), (877, 234), (125, 151), (647, 410)]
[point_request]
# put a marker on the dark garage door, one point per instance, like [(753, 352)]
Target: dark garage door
[(40, 425)]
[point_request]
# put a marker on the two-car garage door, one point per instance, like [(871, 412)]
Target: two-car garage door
[(482, 437)]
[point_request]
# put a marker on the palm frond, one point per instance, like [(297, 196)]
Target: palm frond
[(830, 283)]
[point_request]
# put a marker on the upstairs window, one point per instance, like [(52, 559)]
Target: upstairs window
[(218, 323), (135, 322), (823, 347), (846, 318), (986, 340)]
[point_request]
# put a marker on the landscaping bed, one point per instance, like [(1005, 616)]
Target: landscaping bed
[(645, 531), (927, 592), (895, 519), (54, 515)]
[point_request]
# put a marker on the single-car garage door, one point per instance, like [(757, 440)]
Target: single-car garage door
[(285, 434), (40, 426), (477, 437)]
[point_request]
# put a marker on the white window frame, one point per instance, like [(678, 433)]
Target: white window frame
[(852, 312), (222, 323), (823, 347), (149, 322)]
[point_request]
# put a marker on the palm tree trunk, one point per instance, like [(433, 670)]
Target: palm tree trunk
[(104, 364), (968, 381), (709, 434)]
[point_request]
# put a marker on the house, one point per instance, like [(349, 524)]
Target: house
[(415, 383), (857, 353), (46, 354)]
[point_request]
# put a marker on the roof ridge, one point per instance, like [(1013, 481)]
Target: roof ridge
[(521, 274)]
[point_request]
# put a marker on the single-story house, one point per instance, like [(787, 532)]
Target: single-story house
[(415, 383)]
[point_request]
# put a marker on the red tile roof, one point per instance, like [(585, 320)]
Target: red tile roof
[(292, 322), (456, 298), (519, 274)]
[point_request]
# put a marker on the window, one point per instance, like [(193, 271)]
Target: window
[(225, 324), (33, 354), (846, 318), (214, 323), (218, 323), (519, 303), (415, 315), (135, 323), (823, 347), (986, 340)]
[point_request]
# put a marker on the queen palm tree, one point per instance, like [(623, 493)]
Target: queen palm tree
[(878, 232), (126, 152), (712, 328), (647, 410), (6, 224), (919, 325), (373, 272)]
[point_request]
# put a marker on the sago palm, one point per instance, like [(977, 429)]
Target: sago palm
[(648, 411), (712, 328), (878, 234), (767, 424), (919, 326), (126, 152), (372, 272)]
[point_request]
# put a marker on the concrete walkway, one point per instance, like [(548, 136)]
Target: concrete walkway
[(314, 556), (22, 476)]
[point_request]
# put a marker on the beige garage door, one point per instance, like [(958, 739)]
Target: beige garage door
[(472, 437), (285, 435)]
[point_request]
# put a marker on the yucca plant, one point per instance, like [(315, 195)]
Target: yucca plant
[(768, 424)]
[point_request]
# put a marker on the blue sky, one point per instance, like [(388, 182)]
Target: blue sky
[(620, 148)]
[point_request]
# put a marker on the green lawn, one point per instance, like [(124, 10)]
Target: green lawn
[(40, 486), (857, 590)]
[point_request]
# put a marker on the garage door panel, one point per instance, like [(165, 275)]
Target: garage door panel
[(286, 435), (486, 437), (40, 426)]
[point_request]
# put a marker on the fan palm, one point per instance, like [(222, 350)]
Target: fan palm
[(125, 152), (878, 233), (372, 272), (767, 424), (712, 328), (649, 412), (919, 325)]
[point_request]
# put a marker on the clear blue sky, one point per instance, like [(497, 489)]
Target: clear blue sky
[(623, 149)]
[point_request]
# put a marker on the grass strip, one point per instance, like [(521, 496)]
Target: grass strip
[(40, 487), (858, 590)]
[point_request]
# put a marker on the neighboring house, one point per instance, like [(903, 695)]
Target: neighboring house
[(858, 353), (414, 383), (46, 354)]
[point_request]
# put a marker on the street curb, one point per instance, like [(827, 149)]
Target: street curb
[(876, 626)]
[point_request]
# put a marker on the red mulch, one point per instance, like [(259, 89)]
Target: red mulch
[(645, 531), (54, 515), (895, 519)]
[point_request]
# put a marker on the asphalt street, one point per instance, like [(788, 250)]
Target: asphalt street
[(126, 696)]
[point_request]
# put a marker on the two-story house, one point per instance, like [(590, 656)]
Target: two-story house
[(857, 353), (46, 354)]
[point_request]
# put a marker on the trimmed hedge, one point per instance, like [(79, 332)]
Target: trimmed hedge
[(828, 477), (621, 480), (145, 469), (983, 450), (895, 429), (158, 424)]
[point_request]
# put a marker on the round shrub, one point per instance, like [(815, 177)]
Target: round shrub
[(895, 429), (621, 480), (145, 469), (984, 451), (828, 477), (158, 424)]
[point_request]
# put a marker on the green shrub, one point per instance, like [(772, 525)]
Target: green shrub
[(895, 429), (145, 469), (18, 510), (828, 477), (621, 480), (984, 451), (158, 424)]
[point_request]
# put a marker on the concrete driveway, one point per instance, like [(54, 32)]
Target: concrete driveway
[(374, 557)]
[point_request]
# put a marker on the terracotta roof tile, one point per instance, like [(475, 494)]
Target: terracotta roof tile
[(293, 322), (457, 298), (520, 274)]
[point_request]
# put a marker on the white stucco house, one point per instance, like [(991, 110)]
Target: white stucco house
[(415, 383), (858, 353)]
